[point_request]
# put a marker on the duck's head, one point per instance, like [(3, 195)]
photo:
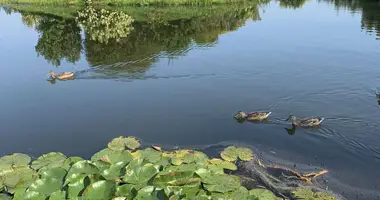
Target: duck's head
[(291, 118), (52, 74), (240, 115)]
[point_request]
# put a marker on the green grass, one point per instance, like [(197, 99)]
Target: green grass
[(121, 2)]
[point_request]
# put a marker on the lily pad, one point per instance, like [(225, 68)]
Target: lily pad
[(112, 157), (50, 160), (126, 190), (261, 194), (176, 178), (221, 183), (80, 168), (5, 197), (32, 195), (115, 171), (223, 164), (57, 173), (16, 159), (70, 161), (100, 190), (139, 174), (46, 186), (132, 142), (77, 186), (18, 177), (229, 154), (117, 144), (99, 155), (150, 155), (245, 154), (58, 195), (308, 194)]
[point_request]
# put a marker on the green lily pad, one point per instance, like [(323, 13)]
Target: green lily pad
[(50, 160), (176, 178), (18, 177), (150, 155), (101, 165), (46, 186), (70, 161), (83, 167), (240, 193), (258, 194), (117, 144), (100, 190), (229, 154), (5, 197), (308, 194), (223, 164), (99, 155), (58, 195), (77, 186), (176, 161), (217, 169), (57, 173), (221, 183), (126, 190), (115, 171), (112, 157), (16, 159), (245, 154), (32, 195), (139, 174), (132, 142)]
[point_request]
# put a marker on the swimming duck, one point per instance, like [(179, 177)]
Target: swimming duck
[(62, 76), (252, 116), (306, 122)]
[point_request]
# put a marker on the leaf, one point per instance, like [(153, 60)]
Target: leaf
[(70, 161), (176, 178), (150, 155), (57, 173), (117, 144), (176, 161), (229, 154), (115, 171), (139, 175), (101, 165), (16, 159), (58, 195), (132, 142), (80, 168), (221, 182), (126, 190), (100, 190), (50, 160), (77, 186), (223, 164), (259, 194), (32, 195), (5, 197), (46, 186), (99, 155), (308, 194), (18, 177), (245, 154), (240, 193)]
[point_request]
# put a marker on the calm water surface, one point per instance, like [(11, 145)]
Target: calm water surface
[(179, 76)]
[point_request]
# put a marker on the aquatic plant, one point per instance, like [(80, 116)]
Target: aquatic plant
[(118, 173), (102, 25)]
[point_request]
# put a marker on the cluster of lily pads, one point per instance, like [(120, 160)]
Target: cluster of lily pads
[(123, 171)]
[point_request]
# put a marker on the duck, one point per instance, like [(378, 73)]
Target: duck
[(62, 76), (252, 116), (306, 122)]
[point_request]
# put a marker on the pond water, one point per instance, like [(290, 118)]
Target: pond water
[(176, 76)]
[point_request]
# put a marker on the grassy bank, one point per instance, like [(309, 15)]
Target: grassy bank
[(121, 2)]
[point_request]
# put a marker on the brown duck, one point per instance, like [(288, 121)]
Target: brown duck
[(252, 116)]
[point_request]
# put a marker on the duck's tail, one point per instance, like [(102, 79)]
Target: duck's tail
[(269, 113), (321, 120)]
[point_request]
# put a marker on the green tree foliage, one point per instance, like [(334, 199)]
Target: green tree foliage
[(59, 40)]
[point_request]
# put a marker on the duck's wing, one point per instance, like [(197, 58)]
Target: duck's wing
[(311, 121), (259, 114)]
